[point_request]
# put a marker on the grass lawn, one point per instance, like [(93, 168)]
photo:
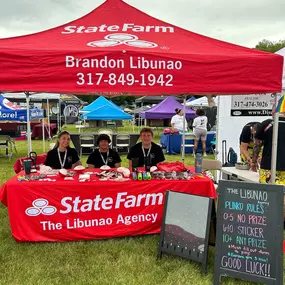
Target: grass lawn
[(115, 261)]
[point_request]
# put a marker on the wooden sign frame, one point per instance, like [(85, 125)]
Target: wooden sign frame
[(186, 252)]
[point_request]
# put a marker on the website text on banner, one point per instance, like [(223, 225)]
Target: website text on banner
[(69, 210)]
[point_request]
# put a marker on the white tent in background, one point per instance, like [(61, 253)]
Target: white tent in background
[(41, 96), (200, 102)]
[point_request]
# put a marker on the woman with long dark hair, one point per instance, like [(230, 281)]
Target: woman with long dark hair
[(62, 155), (177, 121)]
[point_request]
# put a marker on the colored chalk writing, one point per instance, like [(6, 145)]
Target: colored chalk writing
[(250, 232)]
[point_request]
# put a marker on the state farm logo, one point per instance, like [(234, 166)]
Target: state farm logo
[(122, 39), (40, 206)]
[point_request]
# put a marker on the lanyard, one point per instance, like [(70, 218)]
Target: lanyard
[(147, 152), (59, 158), (105, 161)]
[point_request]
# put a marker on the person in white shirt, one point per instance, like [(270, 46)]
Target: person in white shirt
[(200, 130), (177, 121)]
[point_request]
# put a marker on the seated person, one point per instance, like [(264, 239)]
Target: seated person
[(104, 155), (146, 149), (62, 155)]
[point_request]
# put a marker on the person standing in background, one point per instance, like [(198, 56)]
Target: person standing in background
[(200, 130), (177, 121)]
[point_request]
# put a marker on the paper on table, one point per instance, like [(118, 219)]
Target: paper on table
[(84, 176)]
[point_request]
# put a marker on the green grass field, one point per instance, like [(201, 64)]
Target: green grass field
[(115, 261)]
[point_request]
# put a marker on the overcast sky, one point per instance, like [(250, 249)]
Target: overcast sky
[(243, 22)]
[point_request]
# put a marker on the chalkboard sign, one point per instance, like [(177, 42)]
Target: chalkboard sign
[(185, 227), (249, 240)]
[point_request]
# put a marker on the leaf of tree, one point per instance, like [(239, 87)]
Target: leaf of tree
[(270, 46)]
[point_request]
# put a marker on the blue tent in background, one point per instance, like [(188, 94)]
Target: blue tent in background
[(99, 102), (106, 113), (11, 112)]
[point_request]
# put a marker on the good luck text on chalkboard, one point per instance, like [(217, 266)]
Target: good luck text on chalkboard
[(250, 232)]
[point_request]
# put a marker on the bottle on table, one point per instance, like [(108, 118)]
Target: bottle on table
[(198, 163)]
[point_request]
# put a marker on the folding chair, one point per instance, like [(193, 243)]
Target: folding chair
[(86, 141), (13, 144), (188, 137), (123, 141), (216, 165), (213, 145), (7, 143)]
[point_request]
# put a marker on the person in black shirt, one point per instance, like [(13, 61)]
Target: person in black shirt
[(62, 155), (145, 150), (263, 137), (104, 155), (246, 141)]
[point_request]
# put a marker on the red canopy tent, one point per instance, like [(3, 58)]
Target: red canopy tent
[(117, 48)]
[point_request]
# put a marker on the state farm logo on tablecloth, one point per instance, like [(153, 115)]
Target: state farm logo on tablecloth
[(122, 39), (40, 206)]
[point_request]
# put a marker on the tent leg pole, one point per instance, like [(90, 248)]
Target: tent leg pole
[(28, 123), (274, 143), (48, 119), (43, 130), (183, 135), (59, 115), (216, 153)]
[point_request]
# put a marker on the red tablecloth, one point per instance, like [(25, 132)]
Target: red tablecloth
[(50, 130), (72, 210), (19, 164)]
